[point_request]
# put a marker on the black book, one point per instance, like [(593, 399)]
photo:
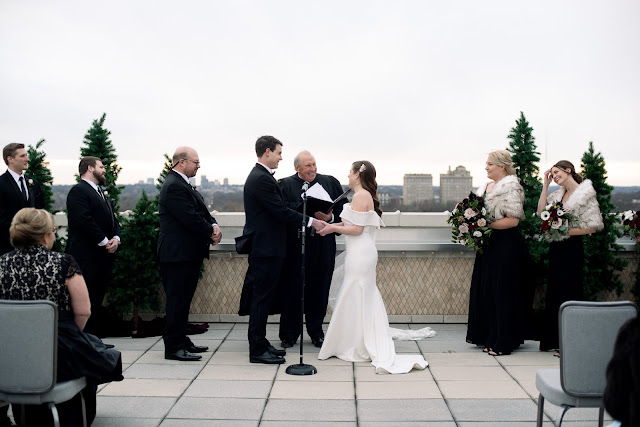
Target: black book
[(314, 205)]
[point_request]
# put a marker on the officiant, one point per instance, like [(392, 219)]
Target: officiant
[(320, 253)]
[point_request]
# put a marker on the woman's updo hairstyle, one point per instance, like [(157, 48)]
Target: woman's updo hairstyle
[(564, 165), (368, 181), (29, 226), (503, 158)]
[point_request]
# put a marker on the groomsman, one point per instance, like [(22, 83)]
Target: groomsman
[(320, 254), (186, 231), (93, 235), (266, 218), (17, 190)]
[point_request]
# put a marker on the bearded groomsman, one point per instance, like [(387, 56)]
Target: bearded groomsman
[(320, 254), (93, 235), (186, 231), (17, 190)]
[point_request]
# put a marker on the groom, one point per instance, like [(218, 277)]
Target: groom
[(266, 218)]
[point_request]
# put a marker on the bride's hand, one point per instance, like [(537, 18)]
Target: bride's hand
[(328, 228)]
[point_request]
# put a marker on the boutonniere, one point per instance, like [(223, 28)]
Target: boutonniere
[(30, 182), (106, 194)]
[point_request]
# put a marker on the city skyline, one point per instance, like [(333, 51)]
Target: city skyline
[(412, 86)]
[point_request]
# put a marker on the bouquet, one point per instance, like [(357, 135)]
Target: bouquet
[(470, 223), (556, 222), (631, 223)]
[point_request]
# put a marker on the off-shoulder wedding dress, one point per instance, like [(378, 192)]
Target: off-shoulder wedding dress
[(359, 328)]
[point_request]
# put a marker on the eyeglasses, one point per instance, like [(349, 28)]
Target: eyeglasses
[(55, 229), (197, 162)]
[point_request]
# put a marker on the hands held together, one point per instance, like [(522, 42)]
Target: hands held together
[(216, 236)]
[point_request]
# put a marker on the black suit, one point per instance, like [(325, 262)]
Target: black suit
[(185, 235), (12, 200), (267, 216), (91, 219), (320, 254)]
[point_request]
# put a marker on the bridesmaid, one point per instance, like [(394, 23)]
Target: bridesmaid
[(496, 317), (566, 258)]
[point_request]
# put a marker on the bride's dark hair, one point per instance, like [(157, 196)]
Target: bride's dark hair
[(368, 181)]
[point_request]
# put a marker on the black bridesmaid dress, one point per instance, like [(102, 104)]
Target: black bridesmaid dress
[(478, 323), (566, 276)]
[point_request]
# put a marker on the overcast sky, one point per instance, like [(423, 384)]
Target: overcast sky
[(413, 86)]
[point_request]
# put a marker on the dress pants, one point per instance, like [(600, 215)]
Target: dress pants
[(319, 265), (97, 275), (263, 274), (179, 280)]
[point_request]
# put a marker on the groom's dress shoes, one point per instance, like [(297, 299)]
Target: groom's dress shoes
[(182, 355), (317, 341), (196, 348), (277, 351), (287, 343), (266, 358)]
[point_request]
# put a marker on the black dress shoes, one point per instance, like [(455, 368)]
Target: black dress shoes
[(267, 358), (277, 351), (109, 345), (196, 348), (317, 341), (287, 343), (182, 355)]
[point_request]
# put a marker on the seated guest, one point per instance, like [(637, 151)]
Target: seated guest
[(622, 393), (33, 272)]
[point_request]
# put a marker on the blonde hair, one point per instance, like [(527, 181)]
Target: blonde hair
[(503, 158), (29, 226)]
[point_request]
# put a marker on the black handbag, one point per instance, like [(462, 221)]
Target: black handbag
[(244, 242)]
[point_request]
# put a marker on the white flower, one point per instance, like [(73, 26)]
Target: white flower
[(545, 215), (469, 213), (30, 181), (482, 222), (464, 228), (106, 193), (549, 206), (448, 214), (628, 215), (477, 234), (484, 212), (455, 211), (560, 212)]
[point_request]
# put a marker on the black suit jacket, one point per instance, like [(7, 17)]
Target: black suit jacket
[(91, 219), (11, 201), (185, 222), (267, 214)]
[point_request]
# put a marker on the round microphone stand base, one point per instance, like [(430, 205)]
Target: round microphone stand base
[(301, 369)]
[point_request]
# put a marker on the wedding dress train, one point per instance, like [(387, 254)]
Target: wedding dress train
[(359, 328)]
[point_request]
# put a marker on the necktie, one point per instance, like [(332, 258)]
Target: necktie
[(101, 193), (23, 188)]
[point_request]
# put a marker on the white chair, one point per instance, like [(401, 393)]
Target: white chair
[(28, 357), (587, 332)]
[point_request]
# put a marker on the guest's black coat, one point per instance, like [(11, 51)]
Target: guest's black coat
[(185, 222), (12, 200), (91, 219)]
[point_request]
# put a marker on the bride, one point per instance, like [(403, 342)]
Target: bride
[(359, 328)]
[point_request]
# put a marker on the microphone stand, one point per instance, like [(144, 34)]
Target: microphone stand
[(302, 368)]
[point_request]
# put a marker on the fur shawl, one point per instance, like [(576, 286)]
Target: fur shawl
[(506, 198), (583, 204)]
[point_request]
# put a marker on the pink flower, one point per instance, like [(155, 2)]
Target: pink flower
[(469, 213), (556, 224), (464, 228), (482, 222)]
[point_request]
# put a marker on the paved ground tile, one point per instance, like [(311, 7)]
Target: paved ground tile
[(325, 373), (481, 390), (126, 422), (253, 372), (146, 387), (133, 406), (227, 388), (460, 359), (208, 423), (217, 409), (312, 390), (403, 410), (470, 373), (171, 372), (526, 372), (305, 410), (368, 373), (493, 409), (397, 390)]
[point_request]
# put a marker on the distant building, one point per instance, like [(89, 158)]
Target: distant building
[(226, 182), (204, 182), (417, 187), (455, 185), (384, 198), (150, 181)]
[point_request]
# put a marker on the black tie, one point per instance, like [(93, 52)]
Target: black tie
[(23, 188)]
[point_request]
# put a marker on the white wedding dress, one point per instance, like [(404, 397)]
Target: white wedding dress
[(359, 329)]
